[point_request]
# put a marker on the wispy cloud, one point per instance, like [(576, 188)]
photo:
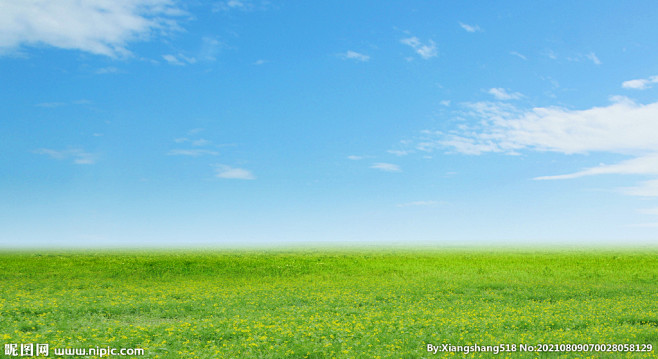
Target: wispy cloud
[(178, 60), (353, 55), (195, 143), (386, 167), (198, 147), (592, 57), (645, 165), (501, 94), (574, 57), (622, 127), (400, 152), (519, 55), (470, 28), (644, 189), (228, 172), (402, 148), (77, 155), (108, 70), (237, 4), (426, 51), (96, 26), (240, 5), (200, 142), (640, 84), (171, 59), (355, 158)]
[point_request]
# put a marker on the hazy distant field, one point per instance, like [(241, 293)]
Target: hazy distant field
[(304, 304)]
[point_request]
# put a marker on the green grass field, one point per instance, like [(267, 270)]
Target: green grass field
[(331, 303)]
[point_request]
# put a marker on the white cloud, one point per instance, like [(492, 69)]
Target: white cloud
[(399, 152), (96, 26), (640, 84), (460, 144), (502, 94), (592, 56), (172, 60), (622, 127), (240, 5), (554, 83), (519, 55), (386, 167), (201, 142), (108, 70), (235, 4), (644, 189), (188, 59), (470, 28), (582, 57), (402, 148), (179, 60), (260, 62), (426, 51), (355, 158), (194, 142), (78, 156), (353, 55), (193, 153), (645, 165), (228, 172)]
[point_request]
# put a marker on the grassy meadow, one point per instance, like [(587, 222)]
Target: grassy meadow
[(330, 303)]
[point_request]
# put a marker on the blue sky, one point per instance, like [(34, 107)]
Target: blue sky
[(162, 122)]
